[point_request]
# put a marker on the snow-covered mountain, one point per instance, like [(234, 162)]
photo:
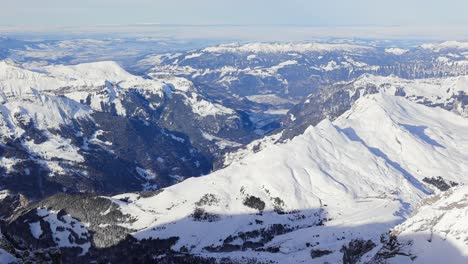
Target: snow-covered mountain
[(59, 124), (328, 195), (312, 153), (272, 77), (330, 102), (257, 74)]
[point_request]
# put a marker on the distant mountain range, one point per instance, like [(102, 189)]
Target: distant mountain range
[(238, 153), (237, 73)]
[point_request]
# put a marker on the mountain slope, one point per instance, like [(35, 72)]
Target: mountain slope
[(60, 123), (436, 232), (325, 195), (332, 101)]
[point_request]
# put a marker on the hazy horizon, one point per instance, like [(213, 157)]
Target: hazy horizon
[(263, 33), (425, 13), (261, 20)]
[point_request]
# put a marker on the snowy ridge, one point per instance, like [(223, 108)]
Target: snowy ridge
[(250, 148), (430, 146), (330, 102), (59, 79), (80, 81), (16, 81), (446, 45), (443, 92), (396, 51), (284, 47), (315, 177), (431, 87), (97, 71), (93, 74)]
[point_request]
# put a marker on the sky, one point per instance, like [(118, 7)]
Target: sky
[(240, 12), (265, 20)]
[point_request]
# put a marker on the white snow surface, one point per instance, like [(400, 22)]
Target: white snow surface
[(446, 45), (283, 47), (438, 229), (362, 173), (396, 51), (62, 227), (36, 230)]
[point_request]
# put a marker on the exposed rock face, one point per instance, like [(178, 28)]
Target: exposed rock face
[(254, 202), (353, 252), (439, 183), (317, 253)]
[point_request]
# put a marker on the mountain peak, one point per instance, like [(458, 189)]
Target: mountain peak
[(104, 70), (446, 45), (263, 47)]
